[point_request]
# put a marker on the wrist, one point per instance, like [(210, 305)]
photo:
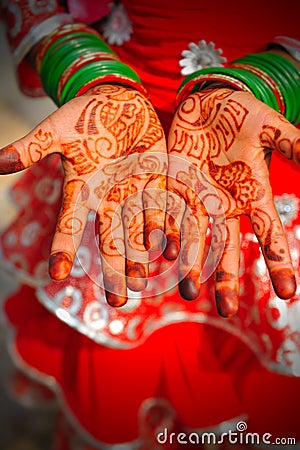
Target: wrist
[(74, 59), (272, 77)]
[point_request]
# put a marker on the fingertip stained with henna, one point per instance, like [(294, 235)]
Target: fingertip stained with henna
[(284, 283), (10, 160), (60, 265), (115, 300), (189, 287), (115, 288), (227, 301)]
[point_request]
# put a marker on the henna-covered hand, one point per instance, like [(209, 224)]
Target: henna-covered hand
[(114, 158), (220, 145)]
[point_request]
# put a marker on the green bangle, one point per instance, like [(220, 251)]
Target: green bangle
[(71, 45), (92, 71), (50, 75), (269, 69), (74, 39), (257, 85), (282, 93), (284, 74), (292, 74), (254, 83), (235, 74), (68, 44), (64, 73)]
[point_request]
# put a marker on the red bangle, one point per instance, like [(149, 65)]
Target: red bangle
[(268, 80), (189, 87), (55, 35), (115, 79), (80, 62)]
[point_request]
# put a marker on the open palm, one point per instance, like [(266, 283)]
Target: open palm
[(114, 158), (220, 145)]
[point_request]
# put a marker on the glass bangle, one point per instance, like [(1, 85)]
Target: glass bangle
[(266, 79), (216, 70), (80, 62), (86, 73), (112, 79), (53, 70), (252, 81), (72, 45), (73, 86), (270, 70), (76, 38), (294, 81), (285, 82), (256, 83), (61, 31), (279, 68)]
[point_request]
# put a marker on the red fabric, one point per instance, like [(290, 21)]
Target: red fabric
[(207, 375), (21, 16), (88, 11), (107, 387)]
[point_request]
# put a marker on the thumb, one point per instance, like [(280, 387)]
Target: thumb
[(33, 147), (282, 136)]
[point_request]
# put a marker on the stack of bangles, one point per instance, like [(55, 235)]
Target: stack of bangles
[(74, 58), (269, 76)]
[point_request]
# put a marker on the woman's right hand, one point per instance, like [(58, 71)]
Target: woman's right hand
[(114, 158)]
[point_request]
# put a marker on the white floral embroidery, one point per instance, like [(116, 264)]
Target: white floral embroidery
[(82, 262), (39, 7), (30, 233), (75, 301), (117, 28), (287, 207), (15, 11), (200, 56), (288, 357), (96, 315)]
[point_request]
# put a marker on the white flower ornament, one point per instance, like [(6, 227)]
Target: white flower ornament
[(117, 29), (200, 56)]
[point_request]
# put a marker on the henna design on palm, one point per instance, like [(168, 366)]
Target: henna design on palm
[(228, 136), (217, 129), (237, 179), (112, 147)]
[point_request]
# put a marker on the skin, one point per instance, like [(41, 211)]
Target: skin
[(113, 154), (224, 139)]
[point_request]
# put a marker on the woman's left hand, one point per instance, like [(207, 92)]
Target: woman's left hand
[(220, 145)]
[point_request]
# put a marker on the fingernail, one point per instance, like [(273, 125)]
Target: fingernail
[(189, 289), (115, 288), (10, 160), (172, 248), (136, 276), (227, 301), (115, 300), (284, 283), (60, 265)]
